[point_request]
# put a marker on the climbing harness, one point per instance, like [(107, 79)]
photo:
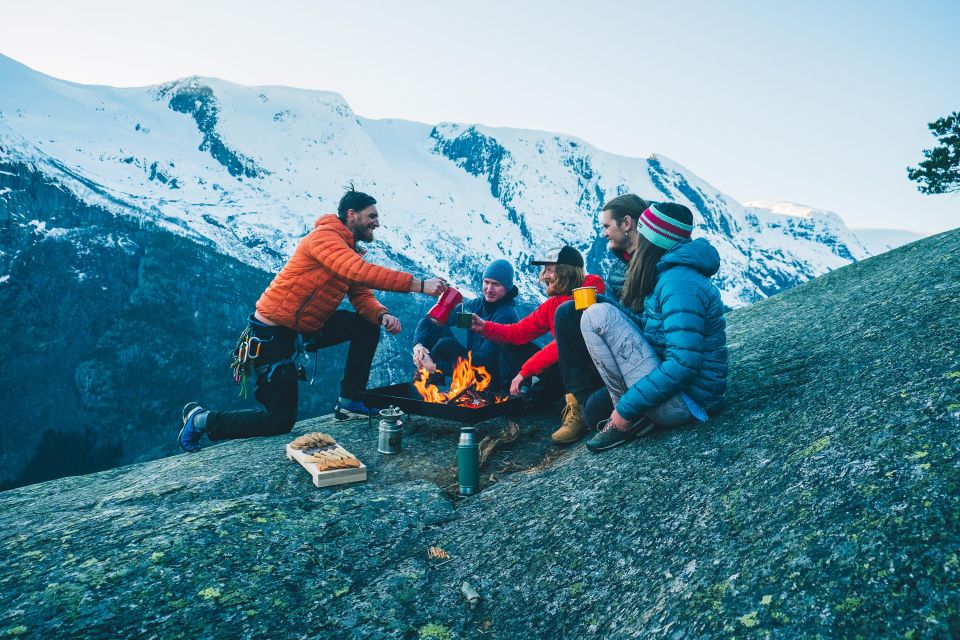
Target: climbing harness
[(299, 353), (248, 349)]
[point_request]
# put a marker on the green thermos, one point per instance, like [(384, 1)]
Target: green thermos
[(468, 462)]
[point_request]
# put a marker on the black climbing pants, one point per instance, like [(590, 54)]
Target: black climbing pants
[(580, 376), (278, 391)]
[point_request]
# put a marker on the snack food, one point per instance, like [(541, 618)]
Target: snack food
[(335, 459), (312, 440), (437, 553)]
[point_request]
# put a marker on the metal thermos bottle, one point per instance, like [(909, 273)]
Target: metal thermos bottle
[(468, 462), (391, 430)]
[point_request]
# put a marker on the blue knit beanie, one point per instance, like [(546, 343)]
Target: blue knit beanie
[(501, 271)]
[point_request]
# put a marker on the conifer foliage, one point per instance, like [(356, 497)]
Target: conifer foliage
[(940, 171)]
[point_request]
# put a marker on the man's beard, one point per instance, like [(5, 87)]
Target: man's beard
[(363, 234)]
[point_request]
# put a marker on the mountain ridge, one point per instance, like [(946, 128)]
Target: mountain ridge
[(249, 168), (242, 173)]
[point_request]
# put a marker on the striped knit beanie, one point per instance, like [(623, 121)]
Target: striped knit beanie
[(666, 224)]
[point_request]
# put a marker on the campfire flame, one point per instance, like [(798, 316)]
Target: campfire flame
[(466, 385)]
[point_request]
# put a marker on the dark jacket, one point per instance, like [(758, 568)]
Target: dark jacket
[(617, 274), (484, 351), (683, 321)]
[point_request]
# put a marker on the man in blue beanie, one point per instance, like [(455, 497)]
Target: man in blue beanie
[(437, 348)]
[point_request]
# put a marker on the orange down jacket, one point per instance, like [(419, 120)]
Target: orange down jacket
[(324, 268)]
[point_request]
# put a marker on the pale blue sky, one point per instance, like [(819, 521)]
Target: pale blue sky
[(821, 103)]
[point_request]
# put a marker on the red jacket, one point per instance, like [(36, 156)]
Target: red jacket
[(535, 325), (324, 268)]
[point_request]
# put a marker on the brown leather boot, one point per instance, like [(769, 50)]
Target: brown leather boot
[(572, 426)]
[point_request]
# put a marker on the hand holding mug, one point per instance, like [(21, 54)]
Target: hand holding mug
[(477, 324)]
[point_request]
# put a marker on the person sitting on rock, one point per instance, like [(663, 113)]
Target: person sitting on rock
[(663, 354), (588, 397), (563, 271), (436, 347), (298, 312)]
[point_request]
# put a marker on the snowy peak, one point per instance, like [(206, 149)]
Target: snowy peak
[(248, 169), (883, 240), (817, 225), (829, 226)]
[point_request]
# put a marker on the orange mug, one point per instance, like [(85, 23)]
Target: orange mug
[(583, 297)]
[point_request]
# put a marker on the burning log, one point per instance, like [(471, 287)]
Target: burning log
[(467, 386), (454, 399)]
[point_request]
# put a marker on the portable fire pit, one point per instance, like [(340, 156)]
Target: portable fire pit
[(467, 400), (405, 397)]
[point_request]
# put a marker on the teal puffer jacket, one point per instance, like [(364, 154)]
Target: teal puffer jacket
[(683, 321)]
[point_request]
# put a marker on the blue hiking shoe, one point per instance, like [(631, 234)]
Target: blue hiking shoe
[(347, 409), (190, 434)]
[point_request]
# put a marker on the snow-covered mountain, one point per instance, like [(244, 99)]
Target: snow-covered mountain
[(248, 169), (139, 226), (882, 240), (799, 220)]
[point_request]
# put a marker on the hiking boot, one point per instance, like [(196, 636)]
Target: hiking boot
[(350, 410), (610, 436), (572, 426), (191, 433)]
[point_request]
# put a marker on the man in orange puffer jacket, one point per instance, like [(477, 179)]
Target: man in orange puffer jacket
[(298, 311)]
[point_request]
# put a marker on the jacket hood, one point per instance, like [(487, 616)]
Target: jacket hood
[(508, 299), (332, 222), (697, 254), (595, 281)]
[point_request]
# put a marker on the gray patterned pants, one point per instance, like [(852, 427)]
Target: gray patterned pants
[(623, 357)]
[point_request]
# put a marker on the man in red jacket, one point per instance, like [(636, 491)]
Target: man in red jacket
[(563, 271), (299, 312)]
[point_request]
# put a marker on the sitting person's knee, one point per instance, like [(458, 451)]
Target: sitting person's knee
[(446, 343), (596, 315), (565, 312), (369, 328), (282, 422), (447, 349)]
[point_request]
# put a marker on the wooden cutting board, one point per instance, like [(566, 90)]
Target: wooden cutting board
[(326, 478)]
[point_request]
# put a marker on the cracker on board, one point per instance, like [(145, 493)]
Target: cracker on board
[(311, 440)]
